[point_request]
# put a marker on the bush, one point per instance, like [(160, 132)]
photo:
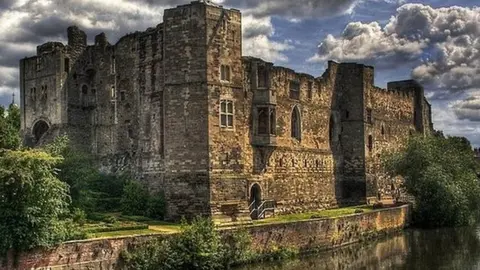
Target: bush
[(90, 190), (156, 206), (79, 216), (110, 219), (238, 248), (33, 204), (134, 199), (200, 246), (440, 173), (151, 256)]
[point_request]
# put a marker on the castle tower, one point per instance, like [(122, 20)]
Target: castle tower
[(202, 54), (42, 92)]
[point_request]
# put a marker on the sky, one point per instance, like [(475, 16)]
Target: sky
[(436, 42)]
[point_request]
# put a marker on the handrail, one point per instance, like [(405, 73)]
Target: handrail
[(262, 208), (251, 205)]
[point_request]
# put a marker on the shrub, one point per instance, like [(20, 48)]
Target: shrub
[(238, 249), (110, 219), (151, 256), (79, 216), (90, 190), (199, 246), (33, 202), (440, 173), (134, 199), (156, 206)]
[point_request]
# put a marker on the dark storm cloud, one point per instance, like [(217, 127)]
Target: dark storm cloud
[(4, 4)]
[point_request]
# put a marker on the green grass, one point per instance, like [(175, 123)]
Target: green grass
[(120, 233), (162, 227), (126, 225), (330, 213)]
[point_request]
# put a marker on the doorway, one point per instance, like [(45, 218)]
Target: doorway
[(255, 200)]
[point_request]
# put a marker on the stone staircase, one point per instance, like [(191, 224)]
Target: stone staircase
[(232, 213)]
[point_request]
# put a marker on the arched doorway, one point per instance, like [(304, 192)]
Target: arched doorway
[(255, 200), (39, 129)]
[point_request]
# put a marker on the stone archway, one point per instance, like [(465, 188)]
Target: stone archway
[(39, 129)]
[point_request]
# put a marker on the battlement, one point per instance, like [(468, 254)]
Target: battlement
[(50, 47), (405, 86)]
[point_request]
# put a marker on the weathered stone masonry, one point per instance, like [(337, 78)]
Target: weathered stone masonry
[(180, 107)]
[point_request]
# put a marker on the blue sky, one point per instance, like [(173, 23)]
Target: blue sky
[(436, 42)]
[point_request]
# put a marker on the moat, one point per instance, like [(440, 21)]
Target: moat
[(412, 249)]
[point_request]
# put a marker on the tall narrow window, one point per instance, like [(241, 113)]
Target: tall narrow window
[(273, 122), (262, 128), (296, 124), (112, 93), (66, 65), (262, 77), (294, 90), (84, 89), (225, 73), (370, 143), (310, 90), (112, 67), (369, 116), (224, 24), (226, 113), (33, 94)]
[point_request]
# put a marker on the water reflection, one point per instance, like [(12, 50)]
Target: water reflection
[(412, 249)]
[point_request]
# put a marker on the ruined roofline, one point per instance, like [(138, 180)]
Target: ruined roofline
[(331, 63), (203, 2)]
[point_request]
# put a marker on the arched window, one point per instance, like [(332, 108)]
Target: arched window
[(273, 122), (296, 124), (383, 130), (84, 89)]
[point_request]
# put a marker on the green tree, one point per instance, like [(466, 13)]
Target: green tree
[(77, 169), (10, 127), (33, 202), (134, 199), (90, 190), (440, 173)]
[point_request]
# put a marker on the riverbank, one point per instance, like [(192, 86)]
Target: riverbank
[(305, 235)]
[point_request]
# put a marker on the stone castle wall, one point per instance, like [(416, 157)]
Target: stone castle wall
[(155, 104)]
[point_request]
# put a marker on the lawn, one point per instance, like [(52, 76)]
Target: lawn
[(114, 224), (105, 225), (330, 213)]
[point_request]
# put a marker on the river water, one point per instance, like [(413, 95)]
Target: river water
[(412, 249)]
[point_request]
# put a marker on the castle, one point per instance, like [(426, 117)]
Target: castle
[(219, 133)]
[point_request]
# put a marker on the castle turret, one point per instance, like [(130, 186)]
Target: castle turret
[(412, 86)]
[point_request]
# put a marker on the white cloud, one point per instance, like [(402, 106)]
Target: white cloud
[(450, 35), (257, 33)]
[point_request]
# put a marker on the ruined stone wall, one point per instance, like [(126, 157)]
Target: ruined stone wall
[(392, 122), (297, 173)]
